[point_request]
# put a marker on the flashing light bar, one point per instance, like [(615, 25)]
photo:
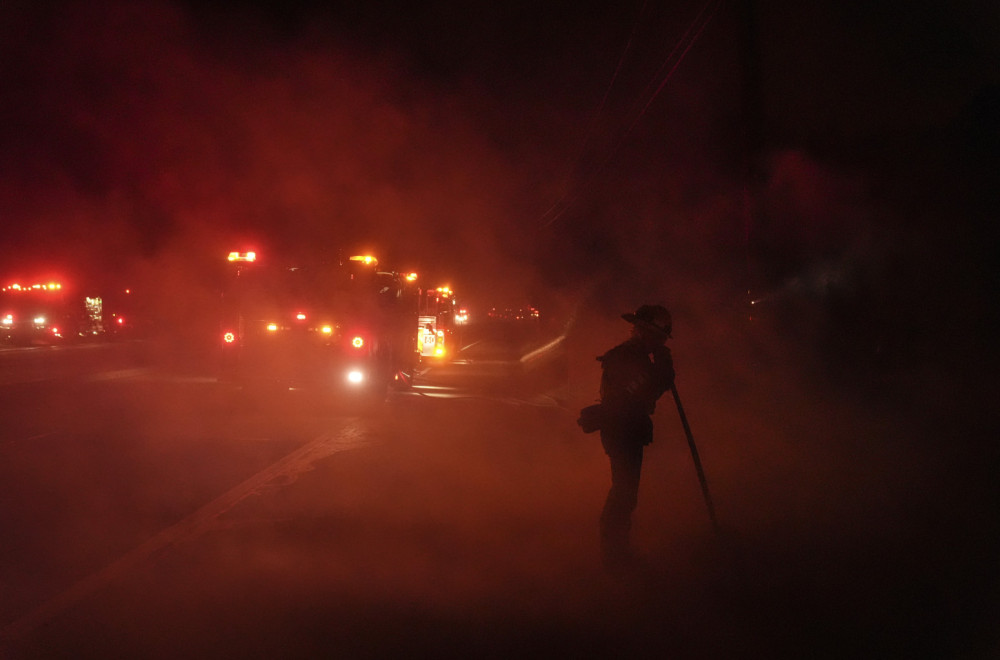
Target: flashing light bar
[(51, 286), (272, 327), (242, 256), (366, 259), (411, 277), (300, 316), (326, 329)]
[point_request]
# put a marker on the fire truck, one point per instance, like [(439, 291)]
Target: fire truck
[(340, 326), (439, 324), (48, 313)]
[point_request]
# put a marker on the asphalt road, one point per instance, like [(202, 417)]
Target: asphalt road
[(150, 512)]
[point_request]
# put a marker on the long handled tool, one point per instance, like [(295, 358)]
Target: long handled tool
[(697, 461)]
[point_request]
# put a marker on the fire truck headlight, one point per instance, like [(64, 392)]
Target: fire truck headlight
[(355, 377), (39, 320), (8, 320)]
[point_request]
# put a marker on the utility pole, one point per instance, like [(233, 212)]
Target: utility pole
[(752, 116)]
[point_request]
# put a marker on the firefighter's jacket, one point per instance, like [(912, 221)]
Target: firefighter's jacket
[(631, 383)]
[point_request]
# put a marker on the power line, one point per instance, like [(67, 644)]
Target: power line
[(597, 115), (690, 42), (670, 64)]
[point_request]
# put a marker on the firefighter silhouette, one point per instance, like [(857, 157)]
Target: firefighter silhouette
[(635, 374)]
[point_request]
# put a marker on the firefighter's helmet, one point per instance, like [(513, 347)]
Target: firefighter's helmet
[(654, 317)]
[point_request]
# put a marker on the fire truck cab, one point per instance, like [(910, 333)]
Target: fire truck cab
[(341, 326)]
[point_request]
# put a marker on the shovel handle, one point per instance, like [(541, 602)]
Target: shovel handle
[(694, 456)]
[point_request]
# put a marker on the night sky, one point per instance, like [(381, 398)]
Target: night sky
[(518, 151)]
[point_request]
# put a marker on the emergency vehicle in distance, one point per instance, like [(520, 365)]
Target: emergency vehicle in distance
[(439, 324), (48, 313), (337, 326), (520, 314), (125, 316)]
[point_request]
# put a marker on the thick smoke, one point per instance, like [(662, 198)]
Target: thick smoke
[(139, 142), (144, 141)]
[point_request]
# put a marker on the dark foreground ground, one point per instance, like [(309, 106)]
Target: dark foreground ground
[(855, 524)]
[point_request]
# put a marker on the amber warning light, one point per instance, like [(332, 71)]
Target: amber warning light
[(51, 286)]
